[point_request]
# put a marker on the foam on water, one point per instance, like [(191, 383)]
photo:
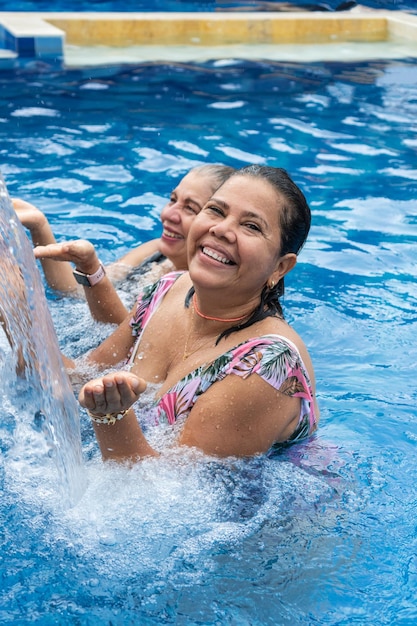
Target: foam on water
[(168, 517)]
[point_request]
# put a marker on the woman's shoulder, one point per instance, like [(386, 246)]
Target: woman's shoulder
[(283, 331), (281, 328)]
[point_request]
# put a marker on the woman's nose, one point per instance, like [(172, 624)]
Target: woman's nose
[(172, 213), (224, 229)]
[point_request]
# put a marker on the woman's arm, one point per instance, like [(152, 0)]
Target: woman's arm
[(111, 352), (59, 277), (240, 417), (102, 298), (115, 348)]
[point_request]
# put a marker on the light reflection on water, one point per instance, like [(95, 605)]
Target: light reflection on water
[(308, 534)]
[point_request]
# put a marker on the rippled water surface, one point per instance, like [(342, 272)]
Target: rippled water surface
[(197, 5), (323, 532)]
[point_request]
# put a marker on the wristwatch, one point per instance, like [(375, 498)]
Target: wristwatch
[(89, 280)]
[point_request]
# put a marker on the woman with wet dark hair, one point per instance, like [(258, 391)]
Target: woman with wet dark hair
[(212, 342)]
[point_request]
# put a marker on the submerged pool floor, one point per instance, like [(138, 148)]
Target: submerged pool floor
[(83, 56)]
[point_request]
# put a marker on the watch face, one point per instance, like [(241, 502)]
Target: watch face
[(81, 278), (89, 280)]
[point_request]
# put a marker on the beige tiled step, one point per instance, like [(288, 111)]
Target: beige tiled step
[(124, 29)]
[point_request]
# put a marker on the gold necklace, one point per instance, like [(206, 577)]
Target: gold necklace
[(186, 352)]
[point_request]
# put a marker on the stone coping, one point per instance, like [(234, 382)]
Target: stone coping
[(45, 35)]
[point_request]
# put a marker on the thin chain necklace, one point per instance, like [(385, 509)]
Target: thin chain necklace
[(216, 319), (186, 353)]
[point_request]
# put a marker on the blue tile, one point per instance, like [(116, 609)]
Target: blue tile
[(9, 41), (48, 46), (26, 46)]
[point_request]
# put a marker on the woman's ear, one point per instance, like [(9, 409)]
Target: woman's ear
[(284, 265)]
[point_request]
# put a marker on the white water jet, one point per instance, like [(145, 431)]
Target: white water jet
[(38, 404)]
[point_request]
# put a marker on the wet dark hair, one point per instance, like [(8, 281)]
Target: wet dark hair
[(215, 172), (295, 221)]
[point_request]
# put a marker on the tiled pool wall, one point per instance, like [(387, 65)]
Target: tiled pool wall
[(29, 36), (43, 36)]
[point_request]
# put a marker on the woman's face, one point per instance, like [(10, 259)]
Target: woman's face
[(235, 240), (186, 201)]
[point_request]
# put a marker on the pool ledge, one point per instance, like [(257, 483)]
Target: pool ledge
[(45, 36)]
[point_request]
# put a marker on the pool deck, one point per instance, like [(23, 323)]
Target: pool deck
[(83, 39)]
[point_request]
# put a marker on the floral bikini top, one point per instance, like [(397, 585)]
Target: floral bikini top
[(272, 357)]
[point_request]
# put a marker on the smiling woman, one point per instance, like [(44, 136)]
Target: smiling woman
[(220, 323)]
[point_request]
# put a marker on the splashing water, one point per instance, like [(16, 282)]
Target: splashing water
[(40, 413)]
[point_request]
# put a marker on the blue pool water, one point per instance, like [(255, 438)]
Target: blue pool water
[(197, 5), (321, 533)]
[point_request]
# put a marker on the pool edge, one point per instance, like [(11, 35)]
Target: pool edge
[(45, 36)]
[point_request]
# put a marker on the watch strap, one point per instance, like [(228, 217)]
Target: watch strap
[(89, 280)]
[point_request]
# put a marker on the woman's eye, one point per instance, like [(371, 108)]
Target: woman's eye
[(253, 226), (214, 209), (192, 209)]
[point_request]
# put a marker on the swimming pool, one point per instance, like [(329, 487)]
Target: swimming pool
[(323, 532)]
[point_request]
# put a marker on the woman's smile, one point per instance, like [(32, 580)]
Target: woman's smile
[(172, 235), (217, 255)]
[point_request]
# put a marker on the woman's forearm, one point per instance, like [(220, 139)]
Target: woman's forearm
[(122, 441), (109, 401), (104, 302), (58, 276)]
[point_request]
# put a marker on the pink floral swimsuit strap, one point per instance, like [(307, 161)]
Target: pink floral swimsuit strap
[(148, 302), (272, 357)]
